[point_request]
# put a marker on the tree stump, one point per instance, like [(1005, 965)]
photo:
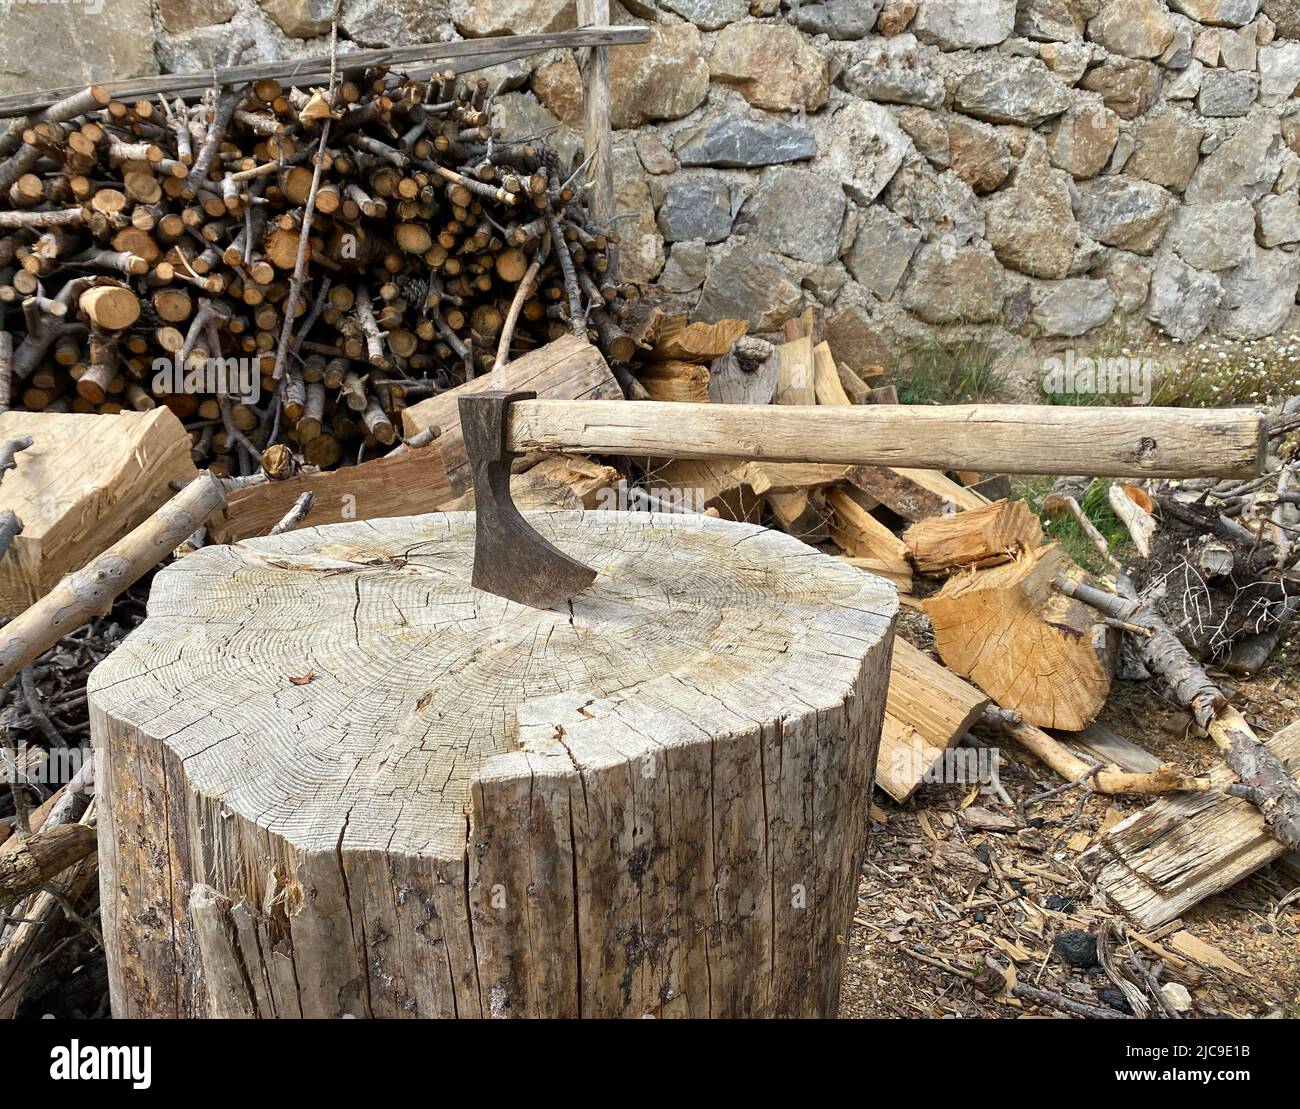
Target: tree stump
[(339, 780)]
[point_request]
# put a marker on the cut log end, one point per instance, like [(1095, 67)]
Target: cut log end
[(710, 707)]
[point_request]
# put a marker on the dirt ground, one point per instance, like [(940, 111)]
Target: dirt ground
[(937, 892)]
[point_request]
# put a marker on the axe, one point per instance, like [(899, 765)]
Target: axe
[(514, 561)]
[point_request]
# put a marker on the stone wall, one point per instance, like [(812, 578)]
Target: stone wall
[(1037, 168)]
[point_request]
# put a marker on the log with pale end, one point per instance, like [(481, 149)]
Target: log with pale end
[(337, 780)]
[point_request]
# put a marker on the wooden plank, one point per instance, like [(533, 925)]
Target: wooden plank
[(404, 484), (1162, 861), (569, 368), (83, 483), (305, 71), (928, 709), (1110, 747)]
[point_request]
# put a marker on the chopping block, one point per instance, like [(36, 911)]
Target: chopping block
[(337, 779)]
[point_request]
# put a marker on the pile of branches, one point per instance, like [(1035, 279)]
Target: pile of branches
[(359, 246)]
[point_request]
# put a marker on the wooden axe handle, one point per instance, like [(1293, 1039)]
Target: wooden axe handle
[(993, 438)]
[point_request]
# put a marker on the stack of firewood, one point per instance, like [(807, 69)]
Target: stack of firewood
[(145, 244)]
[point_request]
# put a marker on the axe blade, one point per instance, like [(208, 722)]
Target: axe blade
[(510, 558)]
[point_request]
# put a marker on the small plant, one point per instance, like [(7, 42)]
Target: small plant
[(942, 370), (1216, 373)]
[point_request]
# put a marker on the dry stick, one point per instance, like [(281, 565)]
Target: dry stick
[(295, 516), (1268, 784), (308, 211), (577, 322), (91, 590), (1075, 771), (6, 370), (418, 440), (28, 862)]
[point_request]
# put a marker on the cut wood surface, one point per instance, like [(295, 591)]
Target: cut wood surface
[(986, 535), (1031, 648), (402, 484), (1165, 859), (861, 535), (1024, 439), (569, 368), (551, 794), (928, 710), (696, 342), (676, 381), (83, 483)]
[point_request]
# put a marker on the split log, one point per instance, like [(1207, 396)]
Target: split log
[(796, 374), (696, 342), (929, 709), (83, 482), (675, 381), (1170, 856), (861, 535), (705, 789), (1140, 523), (981, 536), (1027, 645), (566, 369)]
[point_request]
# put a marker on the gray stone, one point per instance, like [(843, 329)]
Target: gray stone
[(1237, 49), (696, 206), (1178, 54), (1068, 60), (838, 19), (52, 45), (1259, 296), (1225, 93), (941, 206), (895, 71), (736, 138), (1246, 164), (1129, 86), (665, 78), (1124, 149), (558, 85), (518, 115), (1129, 278), (772, 65), (964, 24), (709, 15), (1279, 72), (1183, 300), (929, 133), (882, 251), (796, 212), (685, 270), (1074, 307), (1082, 141), (299, 18), (1186, 83), (964, 286), (383, 23), (1124, 212), (1050, 20), (480, 18), (1214, 236), (1088, 255), (1167, 150), (641, 250), (1012, 90), (1133, 28), (1031, 224), (751, 285), (185, 15), (864, 149), (855, 336), (206, 47), (826, 282), (1230, 13), (1279, 220)]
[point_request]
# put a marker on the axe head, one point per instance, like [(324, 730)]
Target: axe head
[(510, 558)]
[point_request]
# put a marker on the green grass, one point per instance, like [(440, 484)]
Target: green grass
[(943, 370), (1067, 533)]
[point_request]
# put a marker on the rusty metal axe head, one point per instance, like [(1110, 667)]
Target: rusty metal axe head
[(510, 558)]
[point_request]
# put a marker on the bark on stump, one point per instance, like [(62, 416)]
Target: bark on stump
[(339, 780)]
